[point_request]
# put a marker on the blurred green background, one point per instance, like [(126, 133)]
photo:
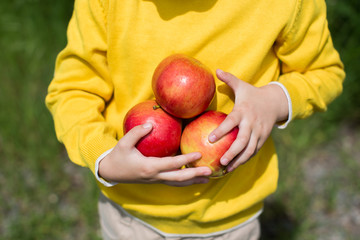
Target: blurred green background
[(44, 196)]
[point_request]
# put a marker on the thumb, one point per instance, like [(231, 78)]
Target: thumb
[(136, 133)]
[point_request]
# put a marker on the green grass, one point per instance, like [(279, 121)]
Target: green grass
[(44, 196)]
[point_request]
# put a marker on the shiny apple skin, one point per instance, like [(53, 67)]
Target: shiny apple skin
[(183, 86), (164, 138), (195, 139)]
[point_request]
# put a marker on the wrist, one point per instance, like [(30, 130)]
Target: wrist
[(98, 169), (105, 168), (279, 100)]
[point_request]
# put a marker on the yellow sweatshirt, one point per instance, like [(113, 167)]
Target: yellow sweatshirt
[(106, 68)]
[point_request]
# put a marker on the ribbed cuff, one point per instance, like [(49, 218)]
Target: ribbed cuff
[(101, 180), (284, 125)]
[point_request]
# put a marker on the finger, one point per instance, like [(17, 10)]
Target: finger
[(197, 180), (185, 174), (245, 155), (241, 142), (136, 133), (230, 122), (172, 163), (227, 78), (152, 167)]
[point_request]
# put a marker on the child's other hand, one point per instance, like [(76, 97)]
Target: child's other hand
[(125, 164), (255, 112)]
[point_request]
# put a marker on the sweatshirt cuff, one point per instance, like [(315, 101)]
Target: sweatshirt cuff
[(97, 163), (284, 125)]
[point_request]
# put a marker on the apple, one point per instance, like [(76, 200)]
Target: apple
[(164, 138), (183, 86), (195, 139)]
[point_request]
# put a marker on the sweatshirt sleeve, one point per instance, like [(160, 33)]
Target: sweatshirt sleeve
[(82, 87), (311, 69)]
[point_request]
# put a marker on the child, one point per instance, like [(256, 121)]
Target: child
[(281, 50)]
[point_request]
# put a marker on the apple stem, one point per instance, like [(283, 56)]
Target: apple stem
[(156, 107)]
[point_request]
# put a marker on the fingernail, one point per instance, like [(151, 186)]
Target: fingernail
[(219, 71), (224, 161), (197, 155), (207, 172), (212, 138), (147, 125)]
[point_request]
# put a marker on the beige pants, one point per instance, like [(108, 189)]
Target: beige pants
[(116, 224)]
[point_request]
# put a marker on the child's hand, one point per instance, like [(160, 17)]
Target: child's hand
[(255, 112), (125, 164)]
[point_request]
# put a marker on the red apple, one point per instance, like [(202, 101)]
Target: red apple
[(164, 138), (183, 86), (195, 139)]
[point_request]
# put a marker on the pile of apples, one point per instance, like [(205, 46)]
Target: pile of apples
[(183, 89)]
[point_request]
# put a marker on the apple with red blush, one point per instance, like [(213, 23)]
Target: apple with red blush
[(195, 139), (164, 138), (183, 86)]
